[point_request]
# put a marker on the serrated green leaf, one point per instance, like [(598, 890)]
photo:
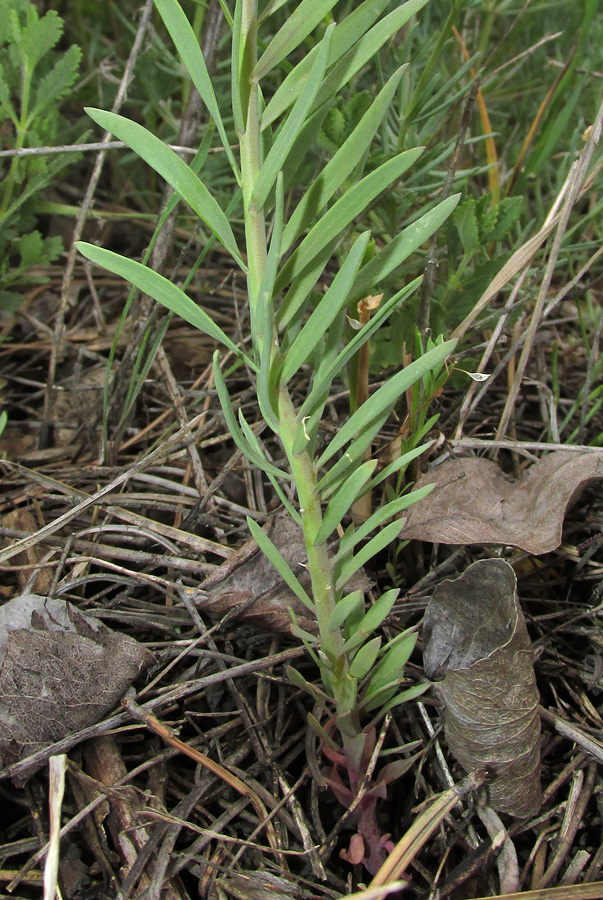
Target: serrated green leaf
[(352, 604), (465, 219), (343, 498), (280, 564), (365, 658), (401, 247), (343, 212), (325, 312), (37, 36), (341, 165), (384, 399), (304, 19), (188, 48), (53, 86), (374, 546), (160, 289), (175, 171), (509, 211)]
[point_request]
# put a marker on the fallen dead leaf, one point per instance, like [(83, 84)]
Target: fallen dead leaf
[(474, 502), (478, 649), (60, 671)]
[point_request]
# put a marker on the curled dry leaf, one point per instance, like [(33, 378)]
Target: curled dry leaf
[(249, 586), (477, 643), (60, 671), (474, 502)]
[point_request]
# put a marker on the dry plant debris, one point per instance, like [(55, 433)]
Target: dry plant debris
[(478, 651)]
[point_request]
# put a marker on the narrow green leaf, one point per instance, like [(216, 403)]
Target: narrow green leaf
[(404, 697), (190, 53), (371, 620), (281, 565), (365, 48), (235, 69), (346, 34), (342, 164), (175, 171), (401, 247), (304, 19), (326, 374), (364, 659), (402, 462), (351, 604), (297, 296), (320, 732), (386, 397), (326, 311), (160, 289), (344, 211), (289, 131), (343, 499), (234, 428), (397, 653), (333, 478), (393, 508), (381, 540), (264, 334), (297, 679)]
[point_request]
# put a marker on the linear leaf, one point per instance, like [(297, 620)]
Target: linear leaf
[(386, 397), (402, 246), (290, 129), (393, 508), (332, 480), (265, 312), (280, 564), (175, 171), (304, 19), (344, 211), (400, 463), (393, 662), (353, 603), (346, 33), (409, 694), (190, 53), (365, 658), (372, 619), (326, 311), (342, 164), (343, 498), (252, 454), (161, 290), (298, 293), (326, 375), (365, 48), (381, 540)]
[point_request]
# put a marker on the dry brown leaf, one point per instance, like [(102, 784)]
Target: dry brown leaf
[(248, 583), (474, 502), (60, 671), (477, 643)]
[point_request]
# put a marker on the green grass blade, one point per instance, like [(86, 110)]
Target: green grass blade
[(386, 397), (326, 311), (290, 129), (264, 328), (346, 34), (161, 290), (304, 19), (341, 165), (189, 50), (281, 565), (401, 247), (343, 498), (344, 211), (175, 171)]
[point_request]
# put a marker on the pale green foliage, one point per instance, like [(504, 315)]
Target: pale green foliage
[(33, 80), (292, 326)]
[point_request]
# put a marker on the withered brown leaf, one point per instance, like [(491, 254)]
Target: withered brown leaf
[(477, 643), (60, 671), (474, 502)]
